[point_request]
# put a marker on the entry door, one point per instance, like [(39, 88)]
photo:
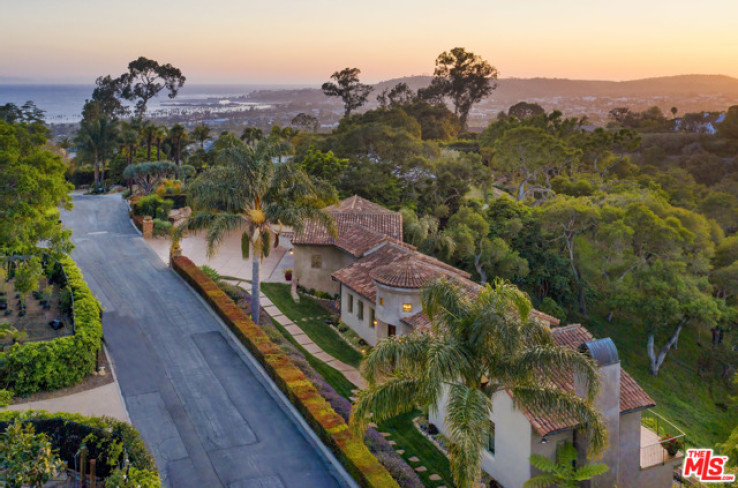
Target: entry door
[(391, 330)]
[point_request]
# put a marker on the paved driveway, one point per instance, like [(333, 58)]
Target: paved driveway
[(208, 415)]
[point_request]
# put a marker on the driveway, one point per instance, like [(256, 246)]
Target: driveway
[(207, 413)]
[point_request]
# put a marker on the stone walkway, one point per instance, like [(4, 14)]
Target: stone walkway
[(351, 373)]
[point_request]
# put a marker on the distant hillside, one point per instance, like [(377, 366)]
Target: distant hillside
[(522, 88)]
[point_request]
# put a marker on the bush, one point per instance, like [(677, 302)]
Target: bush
[(162, 228), (107, 439), (50, 365), (150, 205), (212, 274), (329, 426)]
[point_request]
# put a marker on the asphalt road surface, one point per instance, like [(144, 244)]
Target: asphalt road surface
[(205, 411)]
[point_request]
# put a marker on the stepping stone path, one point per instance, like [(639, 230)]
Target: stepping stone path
[(420, 469), (384, 434), (434, 477), (351, 373), (400, 451), (414, 459)]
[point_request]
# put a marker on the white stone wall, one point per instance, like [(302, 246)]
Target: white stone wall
[(391, 311), (332, 259)]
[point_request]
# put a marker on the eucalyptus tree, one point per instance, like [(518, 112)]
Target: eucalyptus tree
[(477, 346), (347, 86), (246, 193), (145, 79)]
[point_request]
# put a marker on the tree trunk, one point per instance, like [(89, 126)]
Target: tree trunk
[(255, 288), (479, 268), (655, 361), (148, 148), (97, 170), (577, 276), (158, 149), (178, 150)]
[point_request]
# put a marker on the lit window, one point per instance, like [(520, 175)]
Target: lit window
[(350, 303), (381, 301), (360, 311), (372, 318), (407, 307), (316, 261)]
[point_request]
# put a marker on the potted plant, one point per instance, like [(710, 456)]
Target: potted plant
[(671, 444), (288, 274)]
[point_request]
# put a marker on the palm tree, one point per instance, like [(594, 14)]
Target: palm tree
[(96, 139), (129, 139), (251, 135), (562, 473), (148, 130), (245, 193), (159, 135), (178, 135), (477, 345), (201, 133)]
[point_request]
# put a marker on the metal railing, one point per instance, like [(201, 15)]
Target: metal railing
[(663, 443)]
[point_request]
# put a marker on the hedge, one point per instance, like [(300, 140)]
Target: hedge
[(58, 363), (107, 440), (330, 427)]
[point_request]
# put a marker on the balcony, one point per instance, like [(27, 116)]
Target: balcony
[(661, 441)]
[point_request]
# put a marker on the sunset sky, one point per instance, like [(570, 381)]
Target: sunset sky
[(304, 41)]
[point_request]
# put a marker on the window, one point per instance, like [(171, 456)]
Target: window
[(490, 444), (381, 301), (391, 330), (360, 311), (407, 307), (350, 303), (372, 318), (316, 261)]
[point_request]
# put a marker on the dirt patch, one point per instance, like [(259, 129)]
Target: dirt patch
[(92, 381), (35, 321)]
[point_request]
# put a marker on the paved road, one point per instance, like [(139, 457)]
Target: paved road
[(206, 413)]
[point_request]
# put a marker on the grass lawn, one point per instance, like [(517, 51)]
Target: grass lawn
[(700, 406), (403, 431), (331, 375), (324, 335)]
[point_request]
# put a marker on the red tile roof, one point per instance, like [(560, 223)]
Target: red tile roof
[(403, 273), (360, 226), (632, 396)]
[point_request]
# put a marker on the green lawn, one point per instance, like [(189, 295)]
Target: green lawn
[(695, 404), (324, 335), (331, 375), (403, 431)]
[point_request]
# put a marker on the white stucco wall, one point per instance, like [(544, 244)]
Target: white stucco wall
[(332, 259), (363, 327), (391, 311), (513, 441)]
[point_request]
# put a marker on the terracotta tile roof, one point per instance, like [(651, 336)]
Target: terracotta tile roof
[(632, 396), (356, 275), (419, 321), (537, 314), (360, 226), (404, 273)]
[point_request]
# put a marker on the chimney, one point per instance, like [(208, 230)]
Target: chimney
[(607, 401)]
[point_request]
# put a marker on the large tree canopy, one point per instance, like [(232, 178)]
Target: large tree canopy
[(146, 78), (347, 86)]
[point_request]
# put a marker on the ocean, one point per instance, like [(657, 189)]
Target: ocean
[(63, 103)]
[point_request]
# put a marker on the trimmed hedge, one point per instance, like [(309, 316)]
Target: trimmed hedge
[(107, 439), (58, 363), (329, 426)]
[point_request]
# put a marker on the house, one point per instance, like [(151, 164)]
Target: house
[(378, 280)]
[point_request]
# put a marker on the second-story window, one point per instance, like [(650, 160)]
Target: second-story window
[(407, 307), (372, 318), (350, 303), (360, 311)]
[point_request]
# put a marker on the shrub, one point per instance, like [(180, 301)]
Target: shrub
[(150, 205), (107, 439), (162, 228), (50, 365), (212, 274), (329, 426)]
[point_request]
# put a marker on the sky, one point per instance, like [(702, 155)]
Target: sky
[(304, 41)]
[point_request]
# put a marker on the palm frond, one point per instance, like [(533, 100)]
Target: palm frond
[(557, 359), (467, 417), (245, 245), (266, 243), (220, 226), (443, 301), (541, 481), (393, 397), (589, 471), (403, 352), (543, 463)]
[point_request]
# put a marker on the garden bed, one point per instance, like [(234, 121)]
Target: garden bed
[(35, 322)]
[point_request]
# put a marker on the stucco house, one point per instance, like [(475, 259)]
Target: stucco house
[(378, 280)]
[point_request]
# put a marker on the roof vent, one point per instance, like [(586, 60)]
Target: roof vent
[(601, 350)]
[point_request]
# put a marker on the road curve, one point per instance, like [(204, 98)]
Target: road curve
[(204, 410)]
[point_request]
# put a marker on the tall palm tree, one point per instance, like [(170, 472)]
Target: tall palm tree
[(245, 193), (251, 135), (159, 135), (201, 133), (96, 139), (476, 347), (178, 135), (129, 139), (148, 130)]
